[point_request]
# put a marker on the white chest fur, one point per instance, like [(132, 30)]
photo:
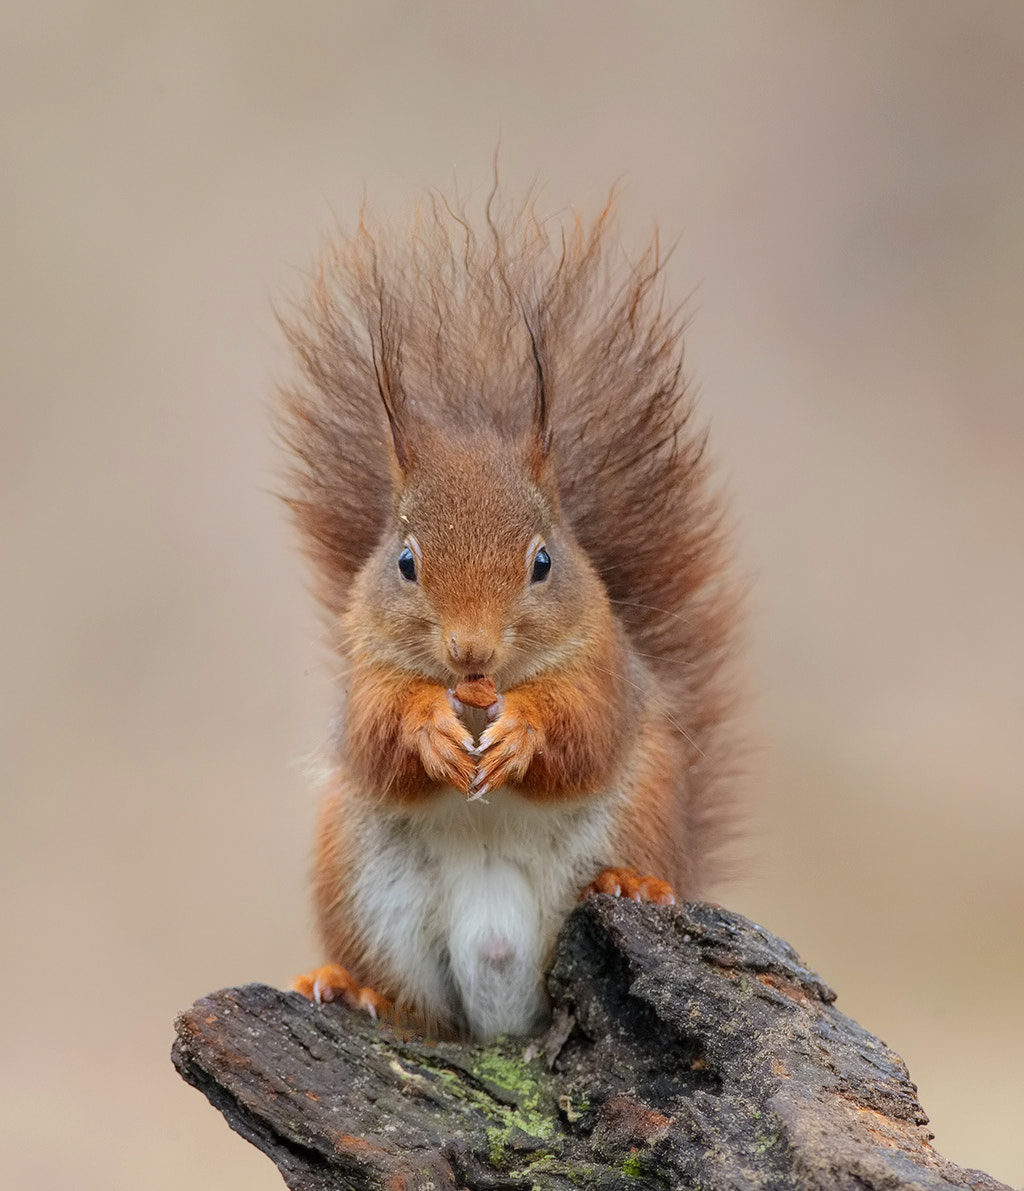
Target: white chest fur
[(465, 900)]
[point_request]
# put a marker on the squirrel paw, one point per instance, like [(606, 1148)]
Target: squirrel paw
[(333, 983), (506, 749), (627, 882), (444, 746)]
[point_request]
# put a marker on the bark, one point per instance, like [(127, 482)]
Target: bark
[(688, 1048)]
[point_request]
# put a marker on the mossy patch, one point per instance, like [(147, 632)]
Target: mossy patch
[(514, 1097), (631, 1166), (529, 1105)]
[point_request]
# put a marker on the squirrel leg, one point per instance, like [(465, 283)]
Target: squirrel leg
[(627, 882), (333, 983)]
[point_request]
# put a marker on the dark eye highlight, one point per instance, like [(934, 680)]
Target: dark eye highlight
[(541, 566), (407, 564)]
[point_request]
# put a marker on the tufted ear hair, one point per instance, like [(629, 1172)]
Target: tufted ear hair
[(539, 451), (386, 350)]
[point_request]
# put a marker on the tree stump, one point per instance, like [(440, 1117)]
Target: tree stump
[(688, 1048)]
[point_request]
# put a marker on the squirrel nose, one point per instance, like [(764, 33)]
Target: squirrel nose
[(470, 653)]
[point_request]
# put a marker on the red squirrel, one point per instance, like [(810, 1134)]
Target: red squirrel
[(507, 508)]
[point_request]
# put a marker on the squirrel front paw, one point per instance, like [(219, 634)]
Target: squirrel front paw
[(506, 748), (444, 744)]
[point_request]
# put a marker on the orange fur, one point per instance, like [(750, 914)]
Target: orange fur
[(332, 879), (404, 739), (558, 735), (627, 882)]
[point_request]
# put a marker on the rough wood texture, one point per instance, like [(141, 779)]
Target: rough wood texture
[(689, 1048)]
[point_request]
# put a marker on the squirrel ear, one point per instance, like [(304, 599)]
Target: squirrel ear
[(540, 436), (398, 440), (385, 348)]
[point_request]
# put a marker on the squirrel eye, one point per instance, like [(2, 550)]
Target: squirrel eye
[(407, 564), (541, 566)]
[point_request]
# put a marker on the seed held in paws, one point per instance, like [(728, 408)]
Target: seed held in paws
[(477, 692)]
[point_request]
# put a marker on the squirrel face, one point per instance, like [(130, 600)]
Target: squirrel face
[(477, 574)]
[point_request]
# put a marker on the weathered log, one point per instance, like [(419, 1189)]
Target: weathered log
[(689, 1048)]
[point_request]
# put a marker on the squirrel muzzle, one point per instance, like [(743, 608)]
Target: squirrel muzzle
[(469, 652)]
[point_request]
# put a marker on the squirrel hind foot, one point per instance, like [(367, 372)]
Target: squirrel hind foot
[(333, 983), (627, 882)]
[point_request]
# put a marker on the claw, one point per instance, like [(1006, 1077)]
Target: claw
[(477, 789), (367, 1004)]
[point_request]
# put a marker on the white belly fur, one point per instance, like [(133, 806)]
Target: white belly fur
[(462, 900)]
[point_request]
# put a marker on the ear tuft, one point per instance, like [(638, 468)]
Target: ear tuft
[(386, 351), (540, 430)]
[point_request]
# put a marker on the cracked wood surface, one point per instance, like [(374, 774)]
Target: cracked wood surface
[(688, 1048)]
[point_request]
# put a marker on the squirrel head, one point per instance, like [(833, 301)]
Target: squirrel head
[(477, 573)]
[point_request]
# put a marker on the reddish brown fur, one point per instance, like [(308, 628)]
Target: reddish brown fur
[(565, 730), (403, 737), (469, 393)]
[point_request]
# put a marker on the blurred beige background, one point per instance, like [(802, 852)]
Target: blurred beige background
[(847, 183)]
